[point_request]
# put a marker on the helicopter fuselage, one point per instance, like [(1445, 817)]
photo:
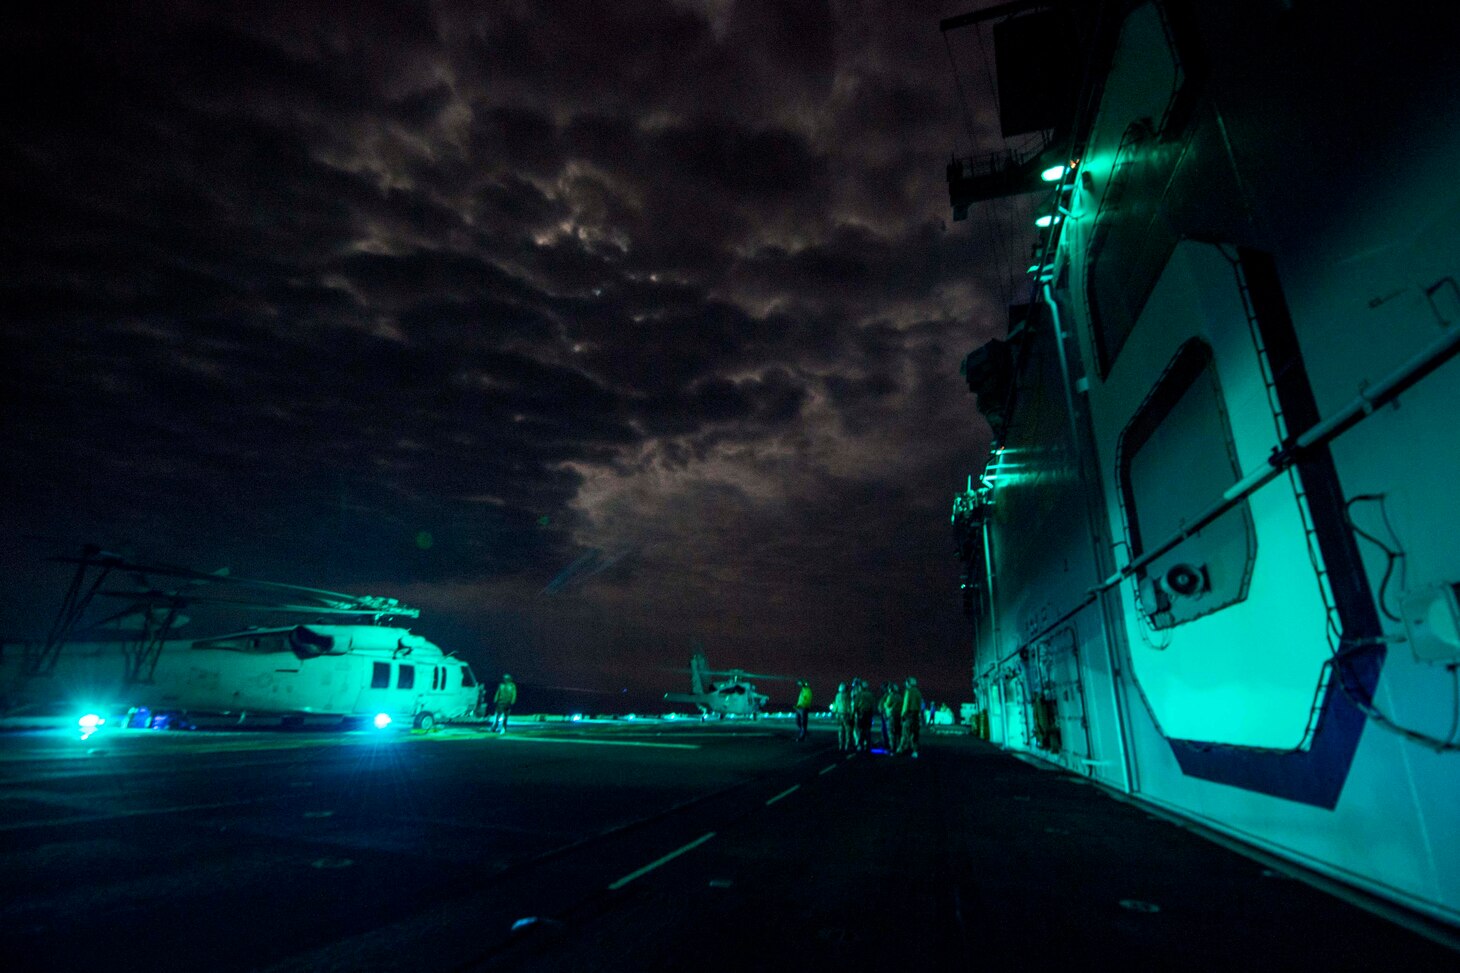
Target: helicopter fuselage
[(317, 670), (731, 698)]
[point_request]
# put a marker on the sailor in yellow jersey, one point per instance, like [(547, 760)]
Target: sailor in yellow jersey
[(803, 709), (912, 717)]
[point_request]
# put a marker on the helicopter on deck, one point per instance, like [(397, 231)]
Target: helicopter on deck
[(734, 695), (351, 660)]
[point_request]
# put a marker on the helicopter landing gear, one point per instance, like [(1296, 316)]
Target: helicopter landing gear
[(424, 721)]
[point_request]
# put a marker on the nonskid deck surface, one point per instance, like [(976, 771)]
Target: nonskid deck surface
[(622, 846)]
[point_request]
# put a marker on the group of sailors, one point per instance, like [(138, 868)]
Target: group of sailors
[(898, 704)]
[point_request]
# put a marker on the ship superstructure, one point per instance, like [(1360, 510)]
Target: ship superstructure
[(1212, 558)]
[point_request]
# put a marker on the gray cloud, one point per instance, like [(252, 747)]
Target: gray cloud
[(286, 289)]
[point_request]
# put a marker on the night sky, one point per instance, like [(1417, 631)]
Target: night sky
[(591, 329)]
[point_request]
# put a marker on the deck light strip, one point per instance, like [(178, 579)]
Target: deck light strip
[(785, 793)]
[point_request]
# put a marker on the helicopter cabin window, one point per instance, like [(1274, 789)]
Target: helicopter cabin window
[(467, 679), (407, 678), (380, 676), (435, 678), (445, 672)]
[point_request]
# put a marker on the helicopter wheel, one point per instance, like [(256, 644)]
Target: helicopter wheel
[(424, 721)]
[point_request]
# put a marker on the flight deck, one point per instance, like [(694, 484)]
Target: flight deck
[(619, 845)]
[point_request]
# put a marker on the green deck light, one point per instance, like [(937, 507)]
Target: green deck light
[(1047, 220), (1053, 174)]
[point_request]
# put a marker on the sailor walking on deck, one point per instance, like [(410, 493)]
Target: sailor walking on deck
[(841, 708), (862, 705), (506, 696), (891, 716), (912, 716), (803, 709)]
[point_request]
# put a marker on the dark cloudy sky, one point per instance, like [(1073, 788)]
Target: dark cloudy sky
[(660, 288)]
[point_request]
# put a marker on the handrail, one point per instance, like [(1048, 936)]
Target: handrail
[(1420, 365)]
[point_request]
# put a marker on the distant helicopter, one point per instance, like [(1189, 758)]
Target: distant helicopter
[(345, 663), (733, 696)]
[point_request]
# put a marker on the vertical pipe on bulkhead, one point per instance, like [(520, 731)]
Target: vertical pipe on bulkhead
[(1111, 620), (988, 569)]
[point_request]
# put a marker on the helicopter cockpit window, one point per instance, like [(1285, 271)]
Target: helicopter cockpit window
[(380, 676), (467, 679), (407, 678), (733, 691), (303, 641)]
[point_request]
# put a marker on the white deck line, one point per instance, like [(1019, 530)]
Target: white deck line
[(785, 793), (660, 861), (598, 743), (97, 818)]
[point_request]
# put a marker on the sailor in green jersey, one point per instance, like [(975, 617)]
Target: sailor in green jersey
[(912, 716), (506, 696), (803, 709)]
